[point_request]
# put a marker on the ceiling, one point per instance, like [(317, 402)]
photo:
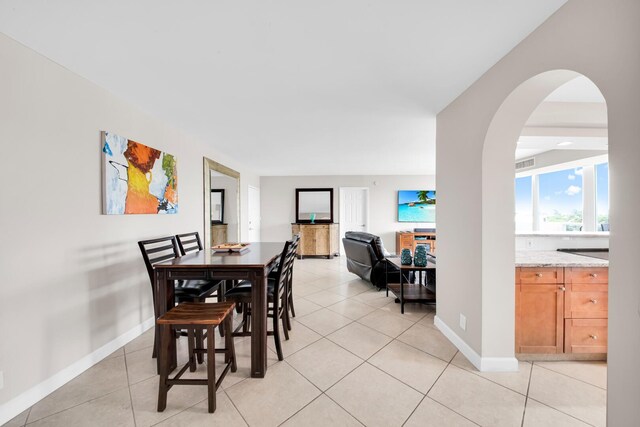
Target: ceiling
[(286, 87), (573, 117)]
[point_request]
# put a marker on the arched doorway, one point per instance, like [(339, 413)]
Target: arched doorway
[(498, 294)]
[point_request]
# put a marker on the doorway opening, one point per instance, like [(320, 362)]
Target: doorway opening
[(354, 210)]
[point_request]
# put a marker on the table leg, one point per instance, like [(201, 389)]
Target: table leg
[(401, 293), (165, 300), (259, 324)]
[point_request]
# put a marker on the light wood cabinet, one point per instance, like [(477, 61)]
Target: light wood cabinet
[(561, 310), (317, 239), (218, 234), (409, 240), (539, 318)]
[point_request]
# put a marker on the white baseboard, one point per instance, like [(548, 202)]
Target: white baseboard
[(483, 364), (19, 404)]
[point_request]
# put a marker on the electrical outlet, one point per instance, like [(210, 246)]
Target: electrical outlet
[(1, 380), (463, 322)]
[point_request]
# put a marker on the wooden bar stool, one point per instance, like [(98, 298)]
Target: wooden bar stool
[(195, 316)]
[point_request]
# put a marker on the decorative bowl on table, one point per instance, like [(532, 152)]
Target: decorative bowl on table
[(405, 257), (230, 247), (420, 257)]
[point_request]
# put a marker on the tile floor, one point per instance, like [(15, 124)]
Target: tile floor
[(352, 360)]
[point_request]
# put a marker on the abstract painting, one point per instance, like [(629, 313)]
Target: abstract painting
[(137, 179)]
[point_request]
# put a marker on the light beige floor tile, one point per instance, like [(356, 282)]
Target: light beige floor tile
[(429, 340), (243, 361), (118, 352), (18, 421), (360, 340), (386, 323), (351, 288), (375, 398), (428, 319), (516, 381), (299, 337), (113, 409), (141, 366), (322, 412), (411, 366), (594, 373), (325, 298), (351, 309), (412, 311), (538, 415), (226, 415), (304, 290), (303, 306), (324, 321), (432, 414), (103, 378), (324, 363), (143, 341), (477, 399), (145, 401), (583, 401), (374, 298), (301, 276), (269, 401)]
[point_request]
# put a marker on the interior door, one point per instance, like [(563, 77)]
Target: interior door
[(254, 214), (354, 210)]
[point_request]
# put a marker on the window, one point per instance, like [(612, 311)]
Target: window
[(560, 198), (524, 205), (560, 203), (602, 197)]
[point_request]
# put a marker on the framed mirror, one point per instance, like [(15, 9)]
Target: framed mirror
[(221, 186), (314, 205), (217, 206)]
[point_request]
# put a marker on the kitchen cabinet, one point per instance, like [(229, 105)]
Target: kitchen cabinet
[(561, 310)]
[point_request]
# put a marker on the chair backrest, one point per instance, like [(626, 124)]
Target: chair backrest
[(189, 242), (158, 250), (295, 242), (286, 261)]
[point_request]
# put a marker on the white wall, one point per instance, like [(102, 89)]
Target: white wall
[(73, 279), (600, 40), (278, 201)]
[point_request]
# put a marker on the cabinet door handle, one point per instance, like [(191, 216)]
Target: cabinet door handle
[(562, 288), (593, 337), (538, 274), (593, 301), (594, 275)]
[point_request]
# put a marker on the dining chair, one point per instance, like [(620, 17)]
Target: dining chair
[(165, 249), (290, 307), (276, 298)]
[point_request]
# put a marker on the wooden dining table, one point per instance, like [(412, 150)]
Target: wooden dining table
[(253, 264)]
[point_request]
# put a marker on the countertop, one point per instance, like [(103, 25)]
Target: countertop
[(556, 259)]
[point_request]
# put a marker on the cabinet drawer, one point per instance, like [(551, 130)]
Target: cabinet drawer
[(585, 336), (540, 275), (587, 275), (584, 301)]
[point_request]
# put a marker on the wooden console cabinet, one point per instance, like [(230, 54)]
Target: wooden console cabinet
[(411, 240), (218, 234), (561, 310), (317, 239)]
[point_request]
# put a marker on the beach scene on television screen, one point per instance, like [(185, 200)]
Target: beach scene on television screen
[(417, 206)]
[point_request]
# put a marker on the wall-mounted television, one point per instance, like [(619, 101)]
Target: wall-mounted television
[(416, 206)]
